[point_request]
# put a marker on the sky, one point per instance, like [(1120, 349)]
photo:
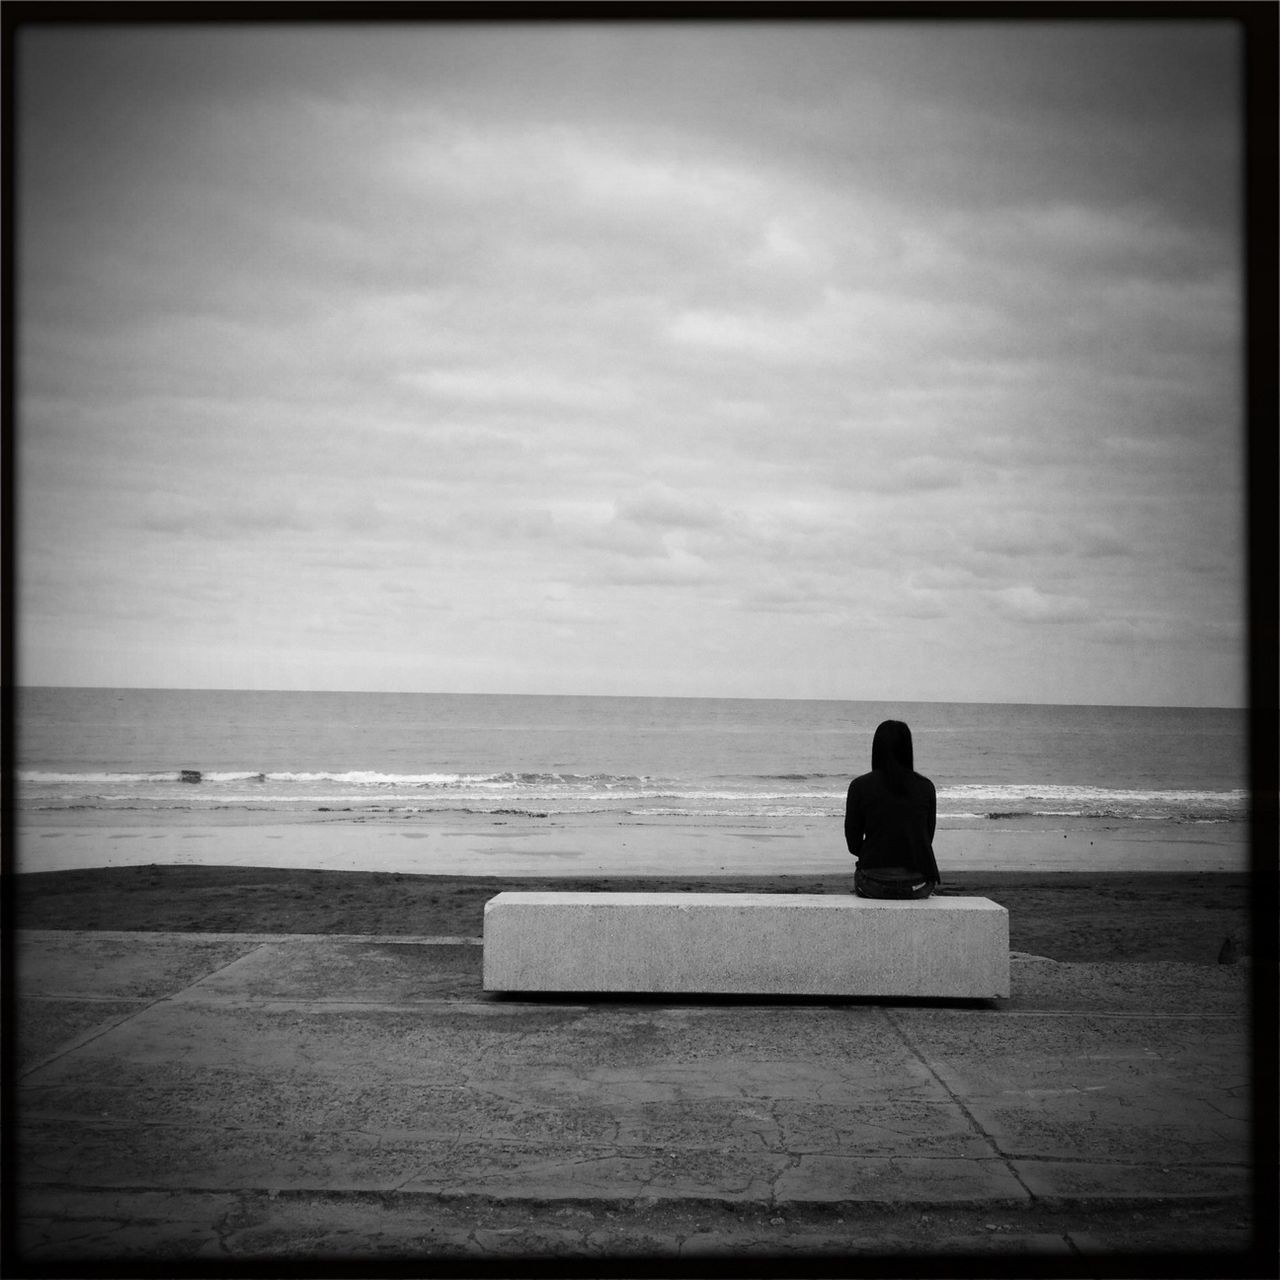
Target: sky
[(867, 360)]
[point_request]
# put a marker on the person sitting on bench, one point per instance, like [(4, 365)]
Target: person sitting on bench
[(889, 820)]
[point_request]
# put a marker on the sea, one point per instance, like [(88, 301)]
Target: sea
[(405, 753)]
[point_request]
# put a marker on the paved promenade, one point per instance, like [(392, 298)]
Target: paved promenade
[(236, 1096)]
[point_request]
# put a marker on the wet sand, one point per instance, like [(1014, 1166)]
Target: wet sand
[(607, 844)]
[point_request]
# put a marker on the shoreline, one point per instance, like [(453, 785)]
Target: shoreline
[(594, 844)]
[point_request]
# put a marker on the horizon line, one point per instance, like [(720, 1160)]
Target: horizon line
[(708, 697)]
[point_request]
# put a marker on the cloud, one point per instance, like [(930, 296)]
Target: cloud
[(926, 473), (661, 505), (838, 326), (677, 568), (526, 388), (1025, 603), (213, 516), (783, 597), (938, 339), (1017, 535)]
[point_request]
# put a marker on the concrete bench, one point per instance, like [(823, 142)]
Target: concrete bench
[(746, 944)]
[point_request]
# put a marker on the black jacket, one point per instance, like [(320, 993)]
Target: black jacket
[(885, 828)]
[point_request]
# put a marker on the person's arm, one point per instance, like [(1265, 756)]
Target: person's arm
[(931, 824), (853, 823)]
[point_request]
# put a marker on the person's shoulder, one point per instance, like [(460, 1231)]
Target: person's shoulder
[(864, 786), (925, 785)]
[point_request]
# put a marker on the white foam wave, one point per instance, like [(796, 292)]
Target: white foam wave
[(351, 777), (598, 792), (1005, 793)]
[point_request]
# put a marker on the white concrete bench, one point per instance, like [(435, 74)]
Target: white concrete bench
[(746, 944)]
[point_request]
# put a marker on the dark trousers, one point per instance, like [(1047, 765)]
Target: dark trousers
[(890, 884)]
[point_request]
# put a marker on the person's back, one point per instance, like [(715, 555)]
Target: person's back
[(890, 819)]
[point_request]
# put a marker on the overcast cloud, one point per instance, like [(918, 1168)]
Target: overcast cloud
[(859, 360)]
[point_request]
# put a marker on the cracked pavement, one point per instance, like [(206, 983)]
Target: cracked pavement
[(234, 1095)]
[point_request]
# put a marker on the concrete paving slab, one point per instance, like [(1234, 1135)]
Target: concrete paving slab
[(272, 1069), (188, 1157), (1191, 989), (136, 966), (934, 1129), (188, 1064), (544, 1170), (1135, 1088), (854, 1177), (270, 1226), (1114, 1181), (355, 971), (95, 1225), (43, 1026)]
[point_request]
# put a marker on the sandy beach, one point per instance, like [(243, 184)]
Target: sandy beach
[(1088, 892), (605, 844)]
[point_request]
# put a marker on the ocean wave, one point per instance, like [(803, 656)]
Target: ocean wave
[(1033, 791), (763, 811), (720, 784), (504, 781), (44, 778), (349, 777), (798, 794), (841, 778)]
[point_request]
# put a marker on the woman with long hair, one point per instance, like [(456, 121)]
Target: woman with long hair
[(889, 820)]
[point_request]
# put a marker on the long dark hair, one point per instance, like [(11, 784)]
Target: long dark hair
[(893, 756)]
